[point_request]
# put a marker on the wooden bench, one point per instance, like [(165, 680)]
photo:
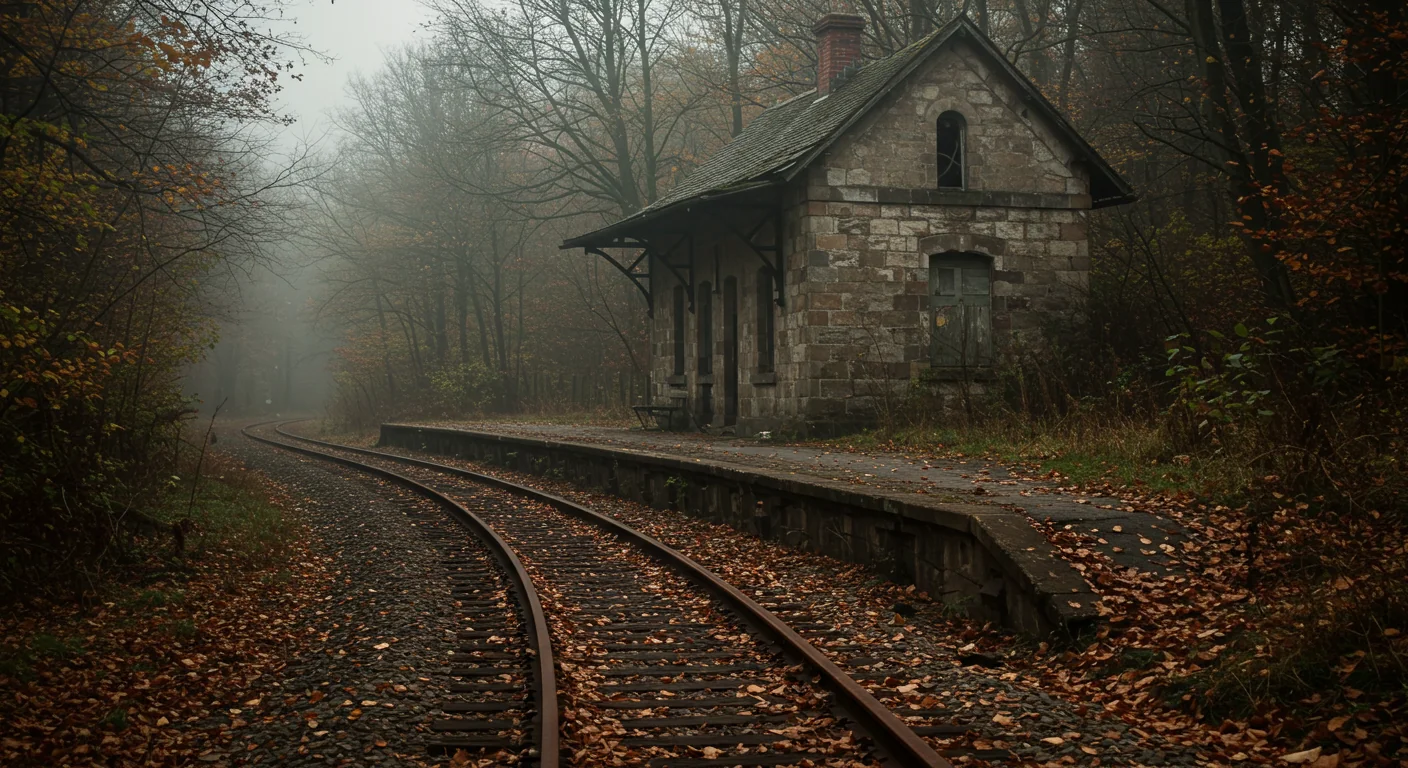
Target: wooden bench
[(666, 417)]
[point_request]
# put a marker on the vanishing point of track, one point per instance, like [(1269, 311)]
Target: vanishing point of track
[(705, 666)]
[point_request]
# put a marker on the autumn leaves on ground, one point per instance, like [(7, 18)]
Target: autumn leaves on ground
[(1277, 633), (165, 661), (1245, 322), (126, 674), (1298, 658)]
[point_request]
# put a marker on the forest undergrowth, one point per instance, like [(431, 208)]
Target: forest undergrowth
[(165, 637), (1282, 627)]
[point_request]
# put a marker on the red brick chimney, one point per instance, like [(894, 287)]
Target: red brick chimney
[(837, 46)]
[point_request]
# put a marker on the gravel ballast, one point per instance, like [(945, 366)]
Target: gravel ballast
[(364, 690)]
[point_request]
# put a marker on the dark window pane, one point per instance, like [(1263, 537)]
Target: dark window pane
[(975, 282), (944, 284), (950, 150)]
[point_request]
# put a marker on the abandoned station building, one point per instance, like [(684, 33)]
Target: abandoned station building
[(903, 220)]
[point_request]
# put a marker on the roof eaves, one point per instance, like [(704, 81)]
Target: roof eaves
[(1106, 202), (599, 238)]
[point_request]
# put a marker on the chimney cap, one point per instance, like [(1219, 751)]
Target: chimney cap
[(838, 21)]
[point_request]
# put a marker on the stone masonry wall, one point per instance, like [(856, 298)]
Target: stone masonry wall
[(765, 402), (873, 216), (861, 225)]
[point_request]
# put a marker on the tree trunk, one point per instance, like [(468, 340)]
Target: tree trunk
[(919, 22), (385, 335), (1068, 55), (1247, 172), (462, 288), (647, 108), (733, 52)]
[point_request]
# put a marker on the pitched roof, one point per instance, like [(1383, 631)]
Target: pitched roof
[(785, 138)]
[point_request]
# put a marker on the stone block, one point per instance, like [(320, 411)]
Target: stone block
[(884, 227), (852, 225), (872, 259), (1033, 248), (838, 389), (914, 227), (1043, 231), (908, 302), (906, 260), (1009, 230), (899, 318), (847, 258), (824, 407)]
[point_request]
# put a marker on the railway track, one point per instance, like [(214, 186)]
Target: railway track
[(659, 661), (502, 697)]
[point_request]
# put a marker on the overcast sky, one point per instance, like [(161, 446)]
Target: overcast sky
[(354, 33)]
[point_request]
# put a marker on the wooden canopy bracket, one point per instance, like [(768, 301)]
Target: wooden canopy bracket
[(641, 278), (770, 255), (687, 276)]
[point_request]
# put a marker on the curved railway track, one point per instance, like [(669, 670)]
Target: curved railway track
[(503, 658), (649, 665)]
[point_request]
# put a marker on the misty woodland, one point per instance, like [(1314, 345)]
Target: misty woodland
[(1139, 255)]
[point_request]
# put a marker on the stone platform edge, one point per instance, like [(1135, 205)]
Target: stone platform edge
[(986, 560)]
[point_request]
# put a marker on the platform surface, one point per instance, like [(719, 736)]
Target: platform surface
[(1125, 528)]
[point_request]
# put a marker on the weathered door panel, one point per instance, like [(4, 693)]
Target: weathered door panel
[(960, 299)]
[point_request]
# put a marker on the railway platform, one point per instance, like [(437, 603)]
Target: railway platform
[(964, 529)]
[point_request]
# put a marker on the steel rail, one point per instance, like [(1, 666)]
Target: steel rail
[(899, 742), (547, 726)]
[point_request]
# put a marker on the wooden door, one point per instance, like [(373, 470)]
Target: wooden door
[(730, 371), (960, 299)]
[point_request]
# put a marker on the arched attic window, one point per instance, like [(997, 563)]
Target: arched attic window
[(953, 137)]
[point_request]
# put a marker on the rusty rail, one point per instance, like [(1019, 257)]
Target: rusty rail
[(547, 725), (900, 743)]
